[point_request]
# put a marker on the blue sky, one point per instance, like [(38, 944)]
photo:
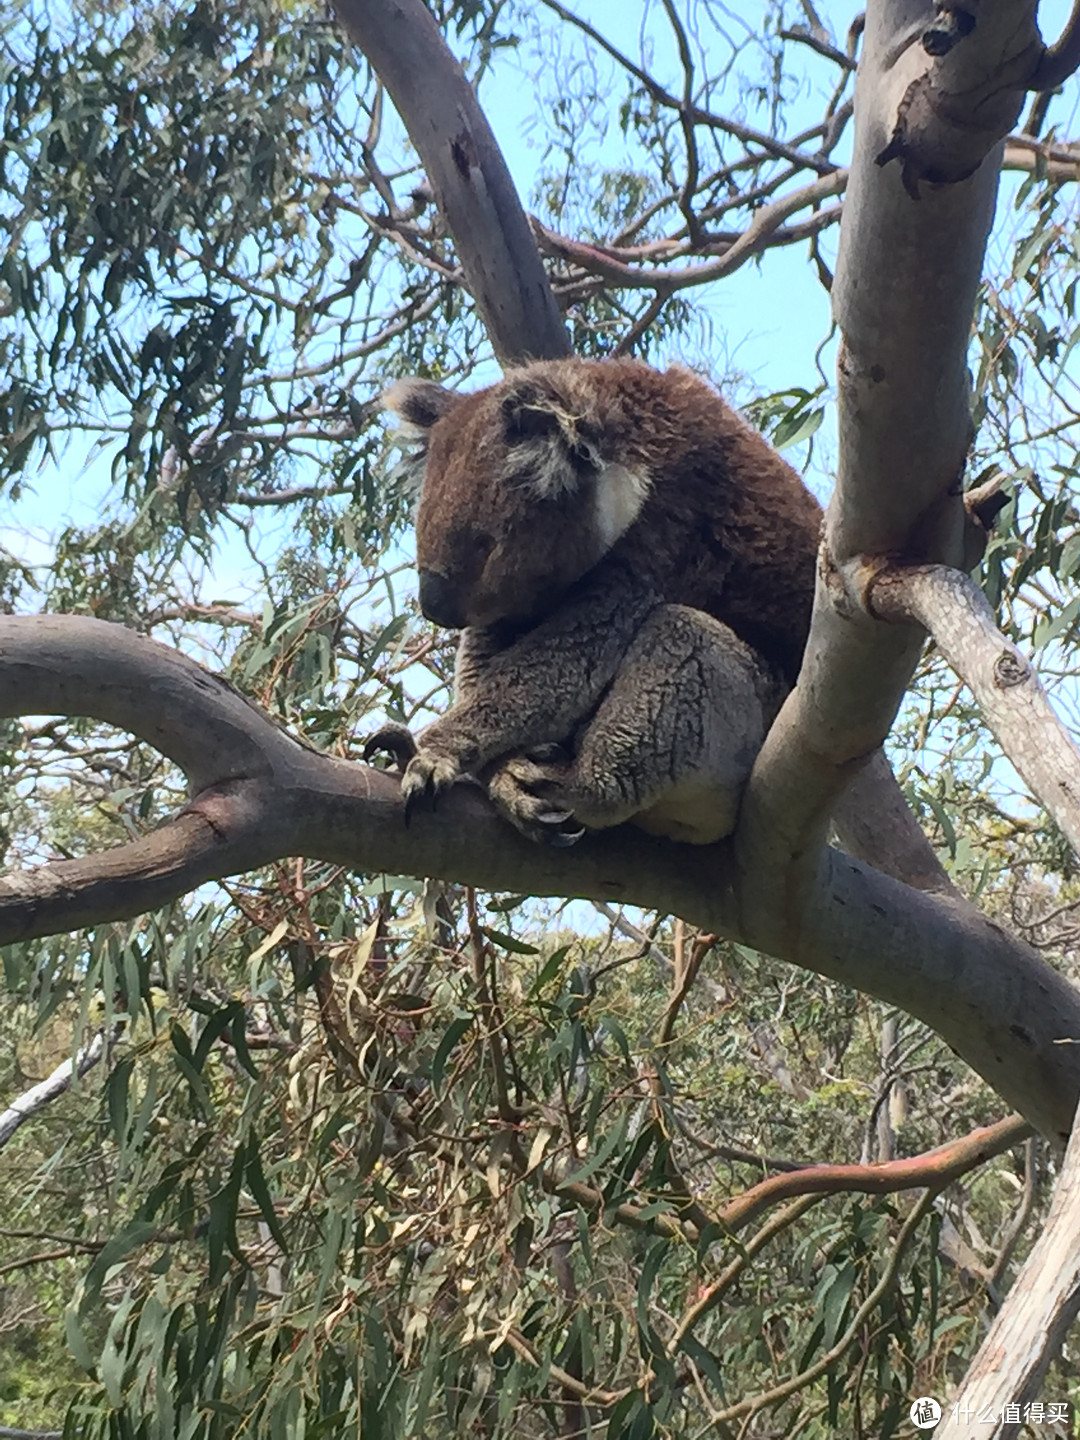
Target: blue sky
[(768, 320)]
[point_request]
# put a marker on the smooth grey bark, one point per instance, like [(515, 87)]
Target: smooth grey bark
[(467, 171), (995, 1001), (40, 1095), (1002, 679), (910, 259)]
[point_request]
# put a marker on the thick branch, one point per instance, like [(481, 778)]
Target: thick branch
[(467, 172), (906, 280), (989, 996), (1029, 1328), (936, 1168), (1010, 698)]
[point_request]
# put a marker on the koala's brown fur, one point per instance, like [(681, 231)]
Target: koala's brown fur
[(633, 569)]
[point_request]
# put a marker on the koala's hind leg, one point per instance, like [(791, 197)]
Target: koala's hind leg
[(669, 747)]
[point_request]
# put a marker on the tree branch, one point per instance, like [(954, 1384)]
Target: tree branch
[(763, 230), (905, 287), (1001, 678), (1031, 1325), (936, 1168), (258, 795), (40, 1095), (466, 169), (1060, 59)]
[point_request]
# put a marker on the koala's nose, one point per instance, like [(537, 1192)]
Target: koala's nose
[(438, 601)]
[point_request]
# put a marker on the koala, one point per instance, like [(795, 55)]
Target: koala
[(632, 569)]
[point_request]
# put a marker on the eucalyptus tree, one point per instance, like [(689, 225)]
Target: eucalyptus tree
[(418, 1154)]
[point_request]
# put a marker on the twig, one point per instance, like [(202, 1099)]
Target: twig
[(763, 230), (715, 1292), (693, 166), (1020, 1219), (592, 1396), (685, 975), (40, 1259), (644, 321), (850, 1335), (40, 1095), (804, 36), (493, 1021), (618, 921), (696, 114)]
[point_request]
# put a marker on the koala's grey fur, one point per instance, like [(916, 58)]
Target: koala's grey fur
[(632, 567)]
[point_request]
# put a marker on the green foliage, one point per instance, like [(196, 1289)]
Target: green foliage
[(342, 1175)]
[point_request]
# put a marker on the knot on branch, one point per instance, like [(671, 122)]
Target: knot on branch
[(1010, 669), (948, 28), (960, 104), (943, 138)]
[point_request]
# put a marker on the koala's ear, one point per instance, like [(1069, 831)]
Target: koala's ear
[(417, 403)]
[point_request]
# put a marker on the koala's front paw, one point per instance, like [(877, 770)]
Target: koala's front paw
[(424, 774), (393, 740), (525, 790)]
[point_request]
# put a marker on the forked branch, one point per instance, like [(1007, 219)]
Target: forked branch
[(257, 795)]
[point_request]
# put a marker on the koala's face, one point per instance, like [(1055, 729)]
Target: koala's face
[(521, 496)]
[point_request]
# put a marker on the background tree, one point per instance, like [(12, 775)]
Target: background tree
[(397, 1153)]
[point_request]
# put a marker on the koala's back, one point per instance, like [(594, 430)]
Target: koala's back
[(727, 527)]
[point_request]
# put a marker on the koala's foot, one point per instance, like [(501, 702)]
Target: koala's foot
[(424, 776), (525, 790)]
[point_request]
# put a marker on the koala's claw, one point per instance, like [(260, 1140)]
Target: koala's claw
[(555, 817), (558, 836), (393, 740), (425, 778), (520, 790)]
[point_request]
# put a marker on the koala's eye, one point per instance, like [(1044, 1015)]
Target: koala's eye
[(525, 419), (467, 549)]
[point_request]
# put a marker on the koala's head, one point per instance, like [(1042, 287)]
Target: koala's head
[(521, 493)]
